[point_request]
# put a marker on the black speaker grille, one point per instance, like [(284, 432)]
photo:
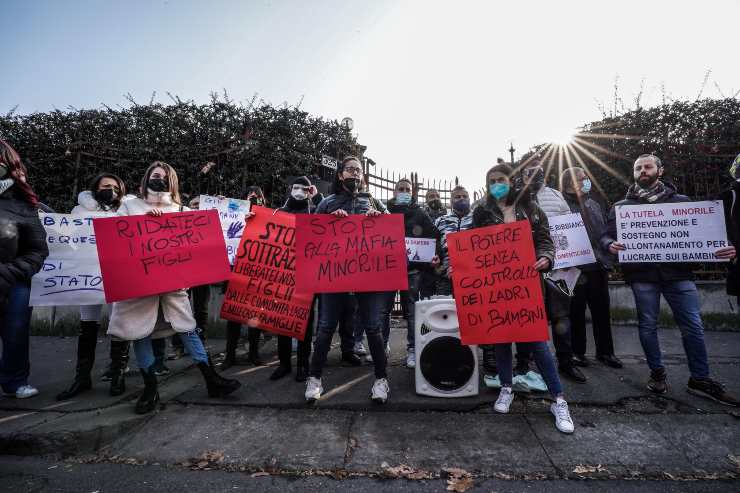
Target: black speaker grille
[(446, 364)]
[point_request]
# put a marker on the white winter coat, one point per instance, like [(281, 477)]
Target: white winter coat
[(552, 202), (159, 315)]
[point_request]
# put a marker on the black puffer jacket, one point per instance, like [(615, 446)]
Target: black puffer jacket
[(22, 241), (352, 204), (595, 222), (294, 206), (488, 214), (645, 271), (417, 224)]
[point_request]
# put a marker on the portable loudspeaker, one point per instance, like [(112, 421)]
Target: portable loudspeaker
[(444, 366)]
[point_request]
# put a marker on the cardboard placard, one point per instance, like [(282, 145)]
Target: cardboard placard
[(498, 293), (262, 286), (231, 213), (420, 249), (572, 246), (356, 253), (674, 232), (145, 255), (71, 273)]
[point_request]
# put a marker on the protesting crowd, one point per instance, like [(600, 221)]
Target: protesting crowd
[(514, 195)]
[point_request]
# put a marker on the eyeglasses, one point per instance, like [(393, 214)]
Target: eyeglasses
[(353, 170)]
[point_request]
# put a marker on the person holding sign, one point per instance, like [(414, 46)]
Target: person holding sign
[(300, 201), (592, 288), (673, 280), (504, 205), (138, 319), (731, 202), (417, 224), (348, 198), (22, 252), (105, 195)]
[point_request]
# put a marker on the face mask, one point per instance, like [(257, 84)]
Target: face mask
[(3, 172), (435, 204), (298, 194), (462, 206), (499, 190), (351, 184), (105, 196), (157, 185), (403, 198), (537, 180), (586, 187)]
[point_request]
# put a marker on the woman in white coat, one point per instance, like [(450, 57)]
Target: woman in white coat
[(105, 195), (150, 317)]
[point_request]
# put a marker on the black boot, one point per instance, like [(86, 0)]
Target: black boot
[(233, 331), (217, 385), (118, 364), (253, 336), (301, 373), (85, 359), (149, 399), (280, 372)]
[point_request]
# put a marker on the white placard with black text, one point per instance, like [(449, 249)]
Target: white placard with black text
[(572, 246)]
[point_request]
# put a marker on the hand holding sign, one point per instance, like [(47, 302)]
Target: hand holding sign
[(497, 286)]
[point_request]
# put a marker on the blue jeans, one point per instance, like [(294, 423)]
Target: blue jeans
[(683, 298), (385, 318), (145, 354), (543, 358), (15, 319), (369, 310)]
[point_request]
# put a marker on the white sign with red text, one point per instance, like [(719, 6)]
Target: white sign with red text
[(675, 232)]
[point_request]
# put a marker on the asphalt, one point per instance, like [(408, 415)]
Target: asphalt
[(622, 432)]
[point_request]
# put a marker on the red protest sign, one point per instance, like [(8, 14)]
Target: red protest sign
[(355, 253), (263, 284), (146, 255), (498, 293)]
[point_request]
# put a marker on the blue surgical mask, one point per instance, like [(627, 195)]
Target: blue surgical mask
[(461, 205), (403, 198), (586, 187), (499, 190)]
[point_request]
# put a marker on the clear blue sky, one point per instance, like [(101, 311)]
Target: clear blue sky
[(437, 87)]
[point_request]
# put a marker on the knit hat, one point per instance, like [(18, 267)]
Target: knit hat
[(301, 180)]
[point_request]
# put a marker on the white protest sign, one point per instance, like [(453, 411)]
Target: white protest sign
[(675, 232), (572, 246), (420, 249), (71, 273), (232, 213)]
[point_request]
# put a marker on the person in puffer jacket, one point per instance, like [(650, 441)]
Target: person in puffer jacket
[(22, 252), (349, 198), (557, 302), (103, 198)]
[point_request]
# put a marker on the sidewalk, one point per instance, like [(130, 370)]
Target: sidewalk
[(621, 430)]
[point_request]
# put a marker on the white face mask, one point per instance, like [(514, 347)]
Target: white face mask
[(298, 192)]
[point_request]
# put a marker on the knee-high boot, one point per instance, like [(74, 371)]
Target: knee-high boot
[(233, 331), (217, 385), (253, 336), (86, 341), (118, 362), (149, 399)]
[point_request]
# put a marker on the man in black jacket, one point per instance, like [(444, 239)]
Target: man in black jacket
[(673, 280), (417, 224)]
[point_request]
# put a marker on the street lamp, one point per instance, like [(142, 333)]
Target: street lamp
[(511, 151)]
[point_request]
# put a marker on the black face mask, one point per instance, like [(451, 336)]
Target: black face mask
[(3, 172), (157, 185), (351, 184), (435, 204), (537, 181), (105, 196)]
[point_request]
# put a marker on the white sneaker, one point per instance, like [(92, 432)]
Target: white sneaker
[(313, 389), (505, 397), (360, 349), (563, 422), (380, 390), (23, 392), (411, 358)]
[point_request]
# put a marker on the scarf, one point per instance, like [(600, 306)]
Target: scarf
[(5, 185), (651, 195)]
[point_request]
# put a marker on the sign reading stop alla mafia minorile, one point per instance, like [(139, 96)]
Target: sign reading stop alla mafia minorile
[(674, 232)]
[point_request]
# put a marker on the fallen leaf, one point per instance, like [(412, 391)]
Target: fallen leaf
[(259, 474)]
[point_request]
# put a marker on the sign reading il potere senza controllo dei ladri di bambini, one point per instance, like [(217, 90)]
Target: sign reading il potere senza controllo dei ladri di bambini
[(674, 232)]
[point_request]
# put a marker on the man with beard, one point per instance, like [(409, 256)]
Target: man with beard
[(673, 280)]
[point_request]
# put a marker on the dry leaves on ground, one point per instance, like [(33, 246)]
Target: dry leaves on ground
[(405, 471), (589, 469), (458, 480), (210, 459)]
